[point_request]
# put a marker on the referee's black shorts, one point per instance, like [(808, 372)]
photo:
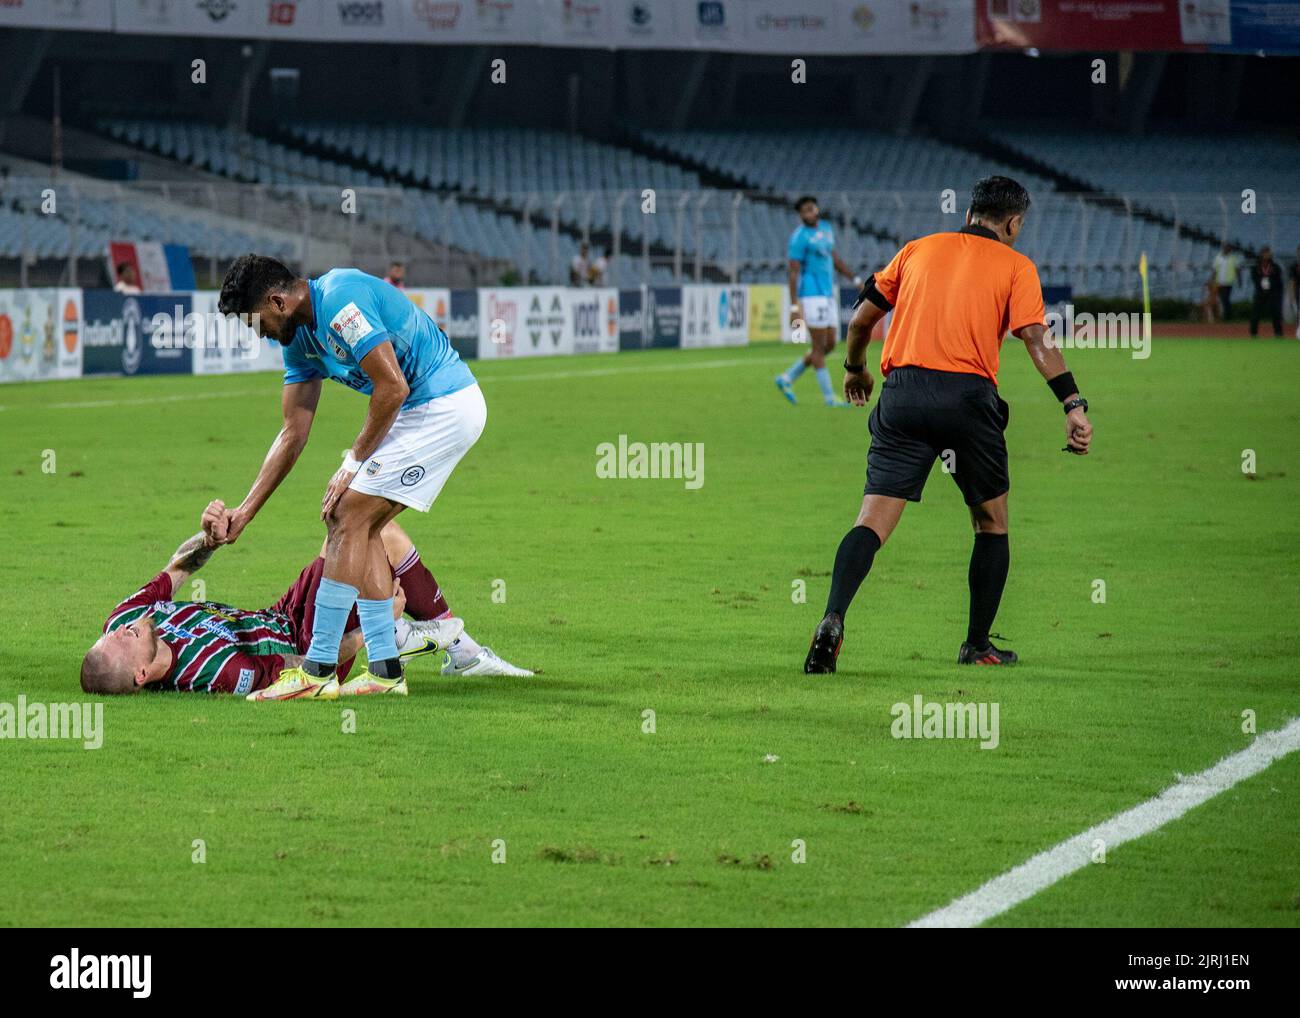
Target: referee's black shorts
[(923, 415)]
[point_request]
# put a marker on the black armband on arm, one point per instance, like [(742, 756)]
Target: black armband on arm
[(869, 292), (1063, 386)]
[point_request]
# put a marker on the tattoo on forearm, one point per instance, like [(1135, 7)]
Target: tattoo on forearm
[(193, 554)]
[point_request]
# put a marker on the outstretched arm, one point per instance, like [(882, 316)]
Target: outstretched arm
[(298, 403), (193, 554)]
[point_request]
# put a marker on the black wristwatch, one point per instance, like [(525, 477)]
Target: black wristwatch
[(854, 369), (1075, 404)]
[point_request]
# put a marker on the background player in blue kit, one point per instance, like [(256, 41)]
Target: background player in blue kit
[(813, 300), (425, 412)]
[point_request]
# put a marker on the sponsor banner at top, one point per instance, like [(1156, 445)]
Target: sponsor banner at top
[(1104, 24), (188, 17), (847, 26), (790, 27), (75, 15), (796, 27), (466, 21)]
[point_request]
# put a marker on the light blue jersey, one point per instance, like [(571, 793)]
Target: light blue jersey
[(355, 312), (811, 247)]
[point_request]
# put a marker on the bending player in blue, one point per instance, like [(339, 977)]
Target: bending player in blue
[(814, 304), (425, 412)]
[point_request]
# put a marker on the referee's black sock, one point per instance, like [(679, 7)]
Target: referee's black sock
[(852, 563), (989, 561)]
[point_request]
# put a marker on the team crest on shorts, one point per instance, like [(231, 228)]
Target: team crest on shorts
[(372, 468), (414, 475)]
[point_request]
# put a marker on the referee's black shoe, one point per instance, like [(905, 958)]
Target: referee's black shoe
[(825, 646), (989, 655)]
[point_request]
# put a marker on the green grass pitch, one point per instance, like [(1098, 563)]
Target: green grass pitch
[(638, 595)]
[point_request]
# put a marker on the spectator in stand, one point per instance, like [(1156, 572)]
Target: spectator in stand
[(596, 274), (580, 267), (1227, 263), (396, 275), (128, 280), (1266, 274)]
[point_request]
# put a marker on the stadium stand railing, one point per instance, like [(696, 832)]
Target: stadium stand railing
[(458, 192)]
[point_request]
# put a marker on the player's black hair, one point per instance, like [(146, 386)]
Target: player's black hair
[(998, 199), (249, 279), (804, 201)]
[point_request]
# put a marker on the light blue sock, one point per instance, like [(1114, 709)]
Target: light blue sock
[(824, 380), (377, 628), (794, 371), (334, 602)]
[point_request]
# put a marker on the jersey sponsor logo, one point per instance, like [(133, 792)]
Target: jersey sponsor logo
[(351, 325), (179, 632), (245, 683), (412, 476), (218, 629)]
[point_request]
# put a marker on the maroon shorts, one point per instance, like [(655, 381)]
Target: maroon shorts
[(299, 605)]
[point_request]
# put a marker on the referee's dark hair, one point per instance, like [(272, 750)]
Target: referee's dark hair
[(998, 199), (804, 200), (249, 279)]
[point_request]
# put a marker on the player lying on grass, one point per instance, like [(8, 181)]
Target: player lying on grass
[(425, 412), (152, 640)]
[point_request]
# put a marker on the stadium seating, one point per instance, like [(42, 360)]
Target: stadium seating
[(1201, 178), (497, 191), (1092, 245), (90, 213)]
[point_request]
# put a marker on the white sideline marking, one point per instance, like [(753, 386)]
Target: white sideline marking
[(539, 376), (151, 399), (1046, 868)]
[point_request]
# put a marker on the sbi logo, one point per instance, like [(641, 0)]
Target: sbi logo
[(412, 476)]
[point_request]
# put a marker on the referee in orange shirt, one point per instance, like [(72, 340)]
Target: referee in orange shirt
[(954, 296)]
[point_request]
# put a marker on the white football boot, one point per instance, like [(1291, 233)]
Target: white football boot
[(430, 636), (485, 662)]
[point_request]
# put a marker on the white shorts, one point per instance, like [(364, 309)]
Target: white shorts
[(422, 448), (820, 312)]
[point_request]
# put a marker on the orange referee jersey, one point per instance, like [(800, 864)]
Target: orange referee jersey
[(955, 296)]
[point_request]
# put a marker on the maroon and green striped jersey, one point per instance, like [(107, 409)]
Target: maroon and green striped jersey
[(215, 648)]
